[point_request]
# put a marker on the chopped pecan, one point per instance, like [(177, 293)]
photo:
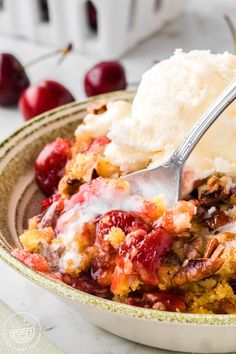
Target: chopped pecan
[(94, 174), (97, 108), (52, 257), (199, 182), (197, 269), (232, 283), (73, 185), (213, 191), (216, 220), (211, 247)]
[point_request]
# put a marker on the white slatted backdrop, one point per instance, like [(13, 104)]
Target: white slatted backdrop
[(121, 24)]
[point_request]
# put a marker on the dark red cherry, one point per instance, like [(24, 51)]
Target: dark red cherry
[(42, 97), (13, 79), (106, 76), (92, 15), (50, 164)]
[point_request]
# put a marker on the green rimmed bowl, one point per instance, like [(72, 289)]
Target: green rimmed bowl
[(19, 200)]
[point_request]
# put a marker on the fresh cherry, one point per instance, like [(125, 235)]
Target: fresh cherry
[(106, 76), (50, 164), (92, 15), (42, 97), (13, 79)]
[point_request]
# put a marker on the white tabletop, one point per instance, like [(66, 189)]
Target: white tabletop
[(202, 27)]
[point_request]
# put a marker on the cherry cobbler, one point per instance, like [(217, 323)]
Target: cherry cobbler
[(93, 235)]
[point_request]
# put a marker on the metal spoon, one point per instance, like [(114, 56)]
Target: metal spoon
[(166, 179)]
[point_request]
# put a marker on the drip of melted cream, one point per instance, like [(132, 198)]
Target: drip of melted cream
[(71, 223)]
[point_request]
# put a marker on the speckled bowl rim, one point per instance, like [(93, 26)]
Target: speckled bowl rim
[(69, 293)]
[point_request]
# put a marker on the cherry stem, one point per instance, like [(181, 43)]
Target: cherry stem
[(62, 51), (232, 29)]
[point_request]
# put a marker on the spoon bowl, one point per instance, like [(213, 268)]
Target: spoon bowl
[(152, 182)]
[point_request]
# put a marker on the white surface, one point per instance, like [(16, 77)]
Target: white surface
[(202, 28)]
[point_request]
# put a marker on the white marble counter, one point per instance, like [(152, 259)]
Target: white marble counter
[(202, 27)]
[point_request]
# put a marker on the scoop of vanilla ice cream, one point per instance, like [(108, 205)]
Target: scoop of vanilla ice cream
[(96, 125), (171, 97)]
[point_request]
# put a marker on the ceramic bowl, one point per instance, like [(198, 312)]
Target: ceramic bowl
[(19, 199)]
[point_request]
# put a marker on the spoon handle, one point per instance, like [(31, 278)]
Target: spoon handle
[(203, 124)]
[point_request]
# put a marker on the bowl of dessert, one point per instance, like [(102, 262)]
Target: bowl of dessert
[(164, 277)]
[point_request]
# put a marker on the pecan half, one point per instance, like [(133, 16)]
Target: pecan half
[(72, 185), (216, 220), (213, 191), (211, 247), (197, 269)]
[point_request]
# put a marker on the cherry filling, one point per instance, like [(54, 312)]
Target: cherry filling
[(33, 260), (125, 220), (103, 267), (160, 300), (145, 251), (124, 246), (50, 164), (45, 204), (50, 216), (85, 283), (97, 145)]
